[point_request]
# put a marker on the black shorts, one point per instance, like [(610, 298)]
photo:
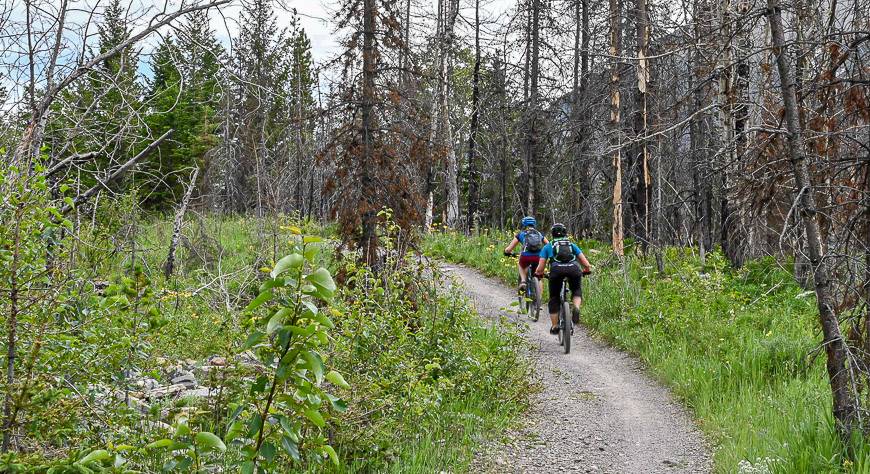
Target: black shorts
[(558, 272)]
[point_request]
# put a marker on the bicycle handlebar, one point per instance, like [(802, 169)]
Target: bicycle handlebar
[(585, 273)]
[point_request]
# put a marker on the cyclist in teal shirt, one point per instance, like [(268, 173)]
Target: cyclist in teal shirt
[(563, 256)]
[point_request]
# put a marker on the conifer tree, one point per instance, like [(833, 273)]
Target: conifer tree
[(185, 94)]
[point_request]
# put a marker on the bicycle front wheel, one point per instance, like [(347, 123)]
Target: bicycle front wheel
[(567, 327)]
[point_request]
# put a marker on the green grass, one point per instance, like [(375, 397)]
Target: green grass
[(738, 347)]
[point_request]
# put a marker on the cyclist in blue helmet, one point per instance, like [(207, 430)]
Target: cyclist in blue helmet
[(533, 242)]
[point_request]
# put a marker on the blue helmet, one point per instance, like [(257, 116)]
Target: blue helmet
[(528, 221)]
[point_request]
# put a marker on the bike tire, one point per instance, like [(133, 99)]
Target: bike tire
[(534, 299), (521, 298), (567, 327), (561, 323)]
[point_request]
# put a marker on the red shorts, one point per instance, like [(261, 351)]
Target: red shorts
[(526, 260)]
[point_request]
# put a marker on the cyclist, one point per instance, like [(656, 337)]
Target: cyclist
[(533, 241), (564, 257)]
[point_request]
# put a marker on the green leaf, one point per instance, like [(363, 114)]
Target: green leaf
[(311, 307), (272, 283), (277, 320), (294, 261), (323, 281), (315, 417), (247, 467), (290, 447), (311, 252), (338, 404), (268, 451), (335, 378), (98, 455), (209, 441), (259, 300), (235, 430), (332, 454), (310, 239), (253, 339), (315, 364), (182, 430), (159, 444)]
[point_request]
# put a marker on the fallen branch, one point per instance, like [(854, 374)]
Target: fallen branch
[(116, 174), (62, 163), (176, 230)]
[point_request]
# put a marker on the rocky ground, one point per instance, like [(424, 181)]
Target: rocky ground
[(598, 411)]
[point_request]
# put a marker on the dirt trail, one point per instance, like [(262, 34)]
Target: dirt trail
[(598, 412)]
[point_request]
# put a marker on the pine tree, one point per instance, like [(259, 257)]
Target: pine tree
[(184, 94)]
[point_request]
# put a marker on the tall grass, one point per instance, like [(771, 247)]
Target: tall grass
[(740, 348)]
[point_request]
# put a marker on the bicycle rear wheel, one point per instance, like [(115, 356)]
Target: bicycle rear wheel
[(521, 297), (534, 298), (567, 327)]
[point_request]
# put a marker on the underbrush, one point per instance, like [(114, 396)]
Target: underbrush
[(425, 380), (740, 347)]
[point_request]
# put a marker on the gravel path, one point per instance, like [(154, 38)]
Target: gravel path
[(598, 411)]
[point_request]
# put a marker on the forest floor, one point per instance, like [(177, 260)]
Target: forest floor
[(598, 410)]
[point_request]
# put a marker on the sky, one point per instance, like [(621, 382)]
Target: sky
[(315, 17)]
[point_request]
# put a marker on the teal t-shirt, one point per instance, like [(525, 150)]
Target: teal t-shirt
[(547, 251)]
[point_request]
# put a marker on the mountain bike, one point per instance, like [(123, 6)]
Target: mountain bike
[(566, 324)]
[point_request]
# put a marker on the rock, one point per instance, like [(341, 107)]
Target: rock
[(156, 426), (248, 358), (188, 380), (165, 391), (218, 361), (147, 383), (202, 392)]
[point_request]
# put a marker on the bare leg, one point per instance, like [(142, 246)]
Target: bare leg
[(554, 319), (522, 273)]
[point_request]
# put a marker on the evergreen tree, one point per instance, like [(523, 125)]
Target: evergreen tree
[(184, 94)]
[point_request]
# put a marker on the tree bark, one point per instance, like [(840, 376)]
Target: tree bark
[(643, 179), (615, 140), (532, 131), (845, 403), (452, 175), (368, 238), (473, 171)]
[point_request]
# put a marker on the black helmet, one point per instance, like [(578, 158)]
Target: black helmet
[(559, 230)]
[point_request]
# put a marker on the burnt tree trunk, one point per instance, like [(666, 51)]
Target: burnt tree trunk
[(845, 402), (473, 170)]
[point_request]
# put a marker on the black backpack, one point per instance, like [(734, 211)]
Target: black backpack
[(563, 252), (533, 242)]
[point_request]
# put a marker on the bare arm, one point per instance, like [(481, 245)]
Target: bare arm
[(584, 262), (510, 248), (542, 263)]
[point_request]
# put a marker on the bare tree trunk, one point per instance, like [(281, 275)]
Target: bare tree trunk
[(698, 133), (169, 267), (452, 175), (12, 335), (368, 239), (473, 172), (641, 201), (845, 403), (532, 125), (615, 140)]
